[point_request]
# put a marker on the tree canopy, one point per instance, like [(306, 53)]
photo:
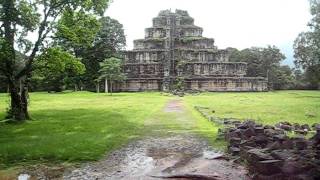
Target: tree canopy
[(111, 69), (107, 41), (18, 19), (56, 66), (307, 48), (265, 62)]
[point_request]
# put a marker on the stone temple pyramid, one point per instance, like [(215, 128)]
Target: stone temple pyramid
[(174, 53)]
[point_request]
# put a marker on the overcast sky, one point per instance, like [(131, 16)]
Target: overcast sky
[(232, 23)]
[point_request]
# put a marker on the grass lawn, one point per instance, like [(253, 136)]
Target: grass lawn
[(265, 107), (75, 126)]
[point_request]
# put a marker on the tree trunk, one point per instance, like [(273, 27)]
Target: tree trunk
[(98, 87), (111, 87), (18, 107), (20, 85), (106, 86), (25, 98)]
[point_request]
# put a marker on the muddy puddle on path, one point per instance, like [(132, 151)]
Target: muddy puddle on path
[(158, 158), (173, 155)]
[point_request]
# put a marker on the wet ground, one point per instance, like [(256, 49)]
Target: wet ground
[(165, 153)]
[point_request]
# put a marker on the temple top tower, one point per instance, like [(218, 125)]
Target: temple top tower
[(177, 26), (173, 50)]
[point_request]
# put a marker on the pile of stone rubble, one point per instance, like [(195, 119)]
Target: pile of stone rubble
[(275, 152)]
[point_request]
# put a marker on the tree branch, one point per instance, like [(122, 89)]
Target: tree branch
[(42, 34)]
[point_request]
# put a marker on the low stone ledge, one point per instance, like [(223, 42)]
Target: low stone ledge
[(282, 151)]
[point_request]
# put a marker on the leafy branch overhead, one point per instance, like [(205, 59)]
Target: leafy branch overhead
[(20, 18)]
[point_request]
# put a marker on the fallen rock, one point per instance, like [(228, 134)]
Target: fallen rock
[(306, 126), (234, 150), (268, 167), (268, 127), (301, 132), (287, 144), (282, 154), (270, 132), (247, 133), (255, 155), (274, 146), (296, 126), (259, 130), (268, 177), (300, 144), (235, 142), (291, 167), (286, 127), (315, 126), (261, 140)]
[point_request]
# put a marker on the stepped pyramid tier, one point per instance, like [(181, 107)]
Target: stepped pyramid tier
[(174, 51)]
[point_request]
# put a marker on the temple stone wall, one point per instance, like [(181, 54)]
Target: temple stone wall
[(195, 43), (149, 44), (135, 85), (144, 56), (226, 84), (214, 69), (143, 70), (173, 48)]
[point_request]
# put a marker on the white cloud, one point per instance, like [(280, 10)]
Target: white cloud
[(232, 23)]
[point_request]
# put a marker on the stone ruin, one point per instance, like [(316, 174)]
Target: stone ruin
[(174, 54), (283, 151)]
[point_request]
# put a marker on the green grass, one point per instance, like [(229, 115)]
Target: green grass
[(75, 126), (265, 107), (82, 126)]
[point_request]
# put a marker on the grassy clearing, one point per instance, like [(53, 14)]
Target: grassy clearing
[(75, 126), (266, 107)]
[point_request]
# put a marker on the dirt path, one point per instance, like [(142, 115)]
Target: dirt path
[(171, 150)]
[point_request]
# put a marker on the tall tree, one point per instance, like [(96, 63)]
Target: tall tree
[(17, 19), (307, 48), (111, 70), (264, 62), (56, 66), (109, 42), (92, 50)]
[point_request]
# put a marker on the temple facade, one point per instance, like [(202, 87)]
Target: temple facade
[(174, 54)]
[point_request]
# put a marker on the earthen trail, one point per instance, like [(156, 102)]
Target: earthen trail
[(171, 150)]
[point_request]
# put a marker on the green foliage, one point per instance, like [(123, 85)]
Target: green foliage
[(91, 39), (178, 84), (109, 39), (111, 69), (77, 30), (282, 78), (307, 48), (18, 19), (108, 42), (54, 66), (27, 15), (265, 62)]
